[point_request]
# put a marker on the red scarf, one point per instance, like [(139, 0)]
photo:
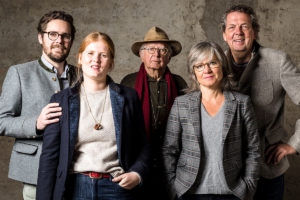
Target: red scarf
[(141, 86)]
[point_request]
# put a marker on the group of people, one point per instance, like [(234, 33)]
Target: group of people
[(152, 136)]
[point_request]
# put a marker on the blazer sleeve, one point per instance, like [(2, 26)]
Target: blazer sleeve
[(49, 160), (290, 80), (253, 148), (141, 164), (171, 148), (12, 122)]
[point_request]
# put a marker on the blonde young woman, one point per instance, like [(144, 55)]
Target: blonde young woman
[(98, 149), (211, 149)]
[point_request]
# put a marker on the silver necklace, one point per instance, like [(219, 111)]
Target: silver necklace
[(98, 126)]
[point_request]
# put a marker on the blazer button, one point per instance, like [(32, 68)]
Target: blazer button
[(54, 78), (56, 91)]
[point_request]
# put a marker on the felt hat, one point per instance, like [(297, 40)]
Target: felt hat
[(156, 34)]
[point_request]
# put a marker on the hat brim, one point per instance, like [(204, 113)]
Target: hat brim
[(175, 45)]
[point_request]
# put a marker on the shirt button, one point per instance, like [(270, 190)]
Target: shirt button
[(56, 91), (54, 78)]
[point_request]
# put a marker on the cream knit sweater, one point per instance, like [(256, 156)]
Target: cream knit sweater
[(96, 150)]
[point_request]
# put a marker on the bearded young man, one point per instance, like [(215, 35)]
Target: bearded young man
[(26, 91)]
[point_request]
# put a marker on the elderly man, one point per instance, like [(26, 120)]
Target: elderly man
[(27, 88), (157, 88), (266, 75)]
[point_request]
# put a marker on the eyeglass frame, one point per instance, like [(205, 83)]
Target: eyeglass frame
[(156, 49), (63, 36), (203, 65)]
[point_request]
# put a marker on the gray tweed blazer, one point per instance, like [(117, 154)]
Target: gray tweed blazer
[(241, 150), (27, 88), (269, 76)]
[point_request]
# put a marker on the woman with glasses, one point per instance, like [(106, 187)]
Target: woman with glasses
[(211, 148), (98, 148)]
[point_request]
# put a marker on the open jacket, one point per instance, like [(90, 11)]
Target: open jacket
[(268, 77), (240, 139), (60, 138)]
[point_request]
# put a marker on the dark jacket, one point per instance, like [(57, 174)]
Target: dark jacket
[(157, 132), (60, 138), (129, 81)]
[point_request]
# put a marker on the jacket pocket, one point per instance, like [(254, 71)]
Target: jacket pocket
[(25, 148)]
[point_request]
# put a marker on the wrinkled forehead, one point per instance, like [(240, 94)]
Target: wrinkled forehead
[(237, 16)]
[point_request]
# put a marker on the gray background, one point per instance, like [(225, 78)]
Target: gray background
[(126, 21)]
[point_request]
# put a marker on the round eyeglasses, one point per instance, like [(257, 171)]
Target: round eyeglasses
[(212, 64), (152, 50), (52, 35)]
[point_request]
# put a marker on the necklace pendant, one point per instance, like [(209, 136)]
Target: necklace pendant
[(98, 126)]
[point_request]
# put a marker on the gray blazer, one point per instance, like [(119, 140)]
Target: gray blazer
[(27, 88), (269, 75), (241, 150)]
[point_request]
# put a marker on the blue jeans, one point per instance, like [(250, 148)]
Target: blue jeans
[(82, 187), (208, 197), (270, 189)]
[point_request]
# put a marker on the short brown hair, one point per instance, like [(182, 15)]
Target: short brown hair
[(56, 15)]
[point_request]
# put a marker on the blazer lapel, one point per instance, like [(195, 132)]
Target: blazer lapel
[(117, 104), (194, 112), (229, 112), (74, 111)]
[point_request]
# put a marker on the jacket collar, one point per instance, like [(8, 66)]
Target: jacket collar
[(242, 85), (196, 96), (229, 112), (70, 72), (74, 90)]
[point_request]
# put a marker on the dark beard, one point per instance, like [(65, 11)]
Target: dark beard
[(57, 59)]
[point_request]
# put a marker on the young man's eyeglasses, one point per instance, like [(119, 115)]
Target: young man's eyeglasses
[(52, 35)]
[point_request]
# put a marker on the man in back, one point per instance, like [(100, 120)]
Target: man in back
[(266, 75), (157, 88)]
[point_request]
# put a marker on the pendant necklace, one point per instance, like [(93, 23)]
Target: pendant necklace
[(98, 126)]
